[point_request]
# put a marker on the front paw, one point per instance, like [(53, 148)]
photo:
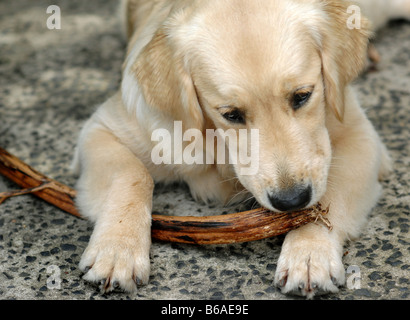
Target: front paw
[(116, 262), (310, 263)]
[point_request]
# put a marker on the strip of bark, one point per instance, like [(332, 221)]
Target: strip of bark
[(221, 229)]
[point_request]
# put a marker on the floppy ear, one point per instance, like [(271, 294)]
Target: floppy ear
[(166, 83), (343, 51)]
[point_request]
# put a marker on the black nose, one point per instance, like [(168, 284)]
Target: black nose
[(291, 199)]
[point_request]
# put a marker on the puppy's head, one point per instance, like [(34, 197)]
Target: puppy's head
[(280, 67)]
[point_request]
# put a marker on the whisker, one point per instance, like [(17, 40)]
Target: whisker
[(255, 205), (240, 193), (228, 179), (249, 199)]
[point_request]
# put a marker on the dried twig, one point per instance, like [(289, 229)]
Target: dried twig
[(8, 194), (26, 177), (238, 227)]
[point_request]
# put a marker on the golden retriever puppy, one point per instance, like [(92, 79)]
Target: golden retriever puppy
[(275, 67)]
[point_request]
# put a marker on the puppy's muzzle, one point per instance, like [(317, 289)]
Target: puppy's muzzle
[(291, 199)]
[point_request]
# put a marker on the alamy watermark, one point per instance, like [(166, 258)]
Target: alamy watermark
[(54, 280), (353, 280), (355, 19), (54, 20), (353, 277), (242, 146)]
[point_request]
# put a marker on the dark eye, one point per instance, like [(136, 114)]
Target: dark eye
[(234, 116), (300, 98)]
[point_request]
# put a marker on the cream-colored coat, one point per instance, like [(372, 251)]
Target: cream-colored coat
[(196, 62)]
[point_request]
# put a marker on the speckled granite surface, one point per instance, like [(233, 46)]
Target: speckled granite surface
[(51, 81)]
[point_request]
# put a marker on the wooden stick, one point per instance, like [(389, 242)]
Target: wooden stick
[(26, 177), (238, 227)]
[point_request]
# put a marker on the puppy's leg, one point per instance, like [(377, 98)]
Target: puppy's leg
[(115, 192), (311, 257)]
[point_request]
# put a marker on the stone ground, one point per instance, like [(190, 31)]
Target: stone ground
[(50, 83)]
